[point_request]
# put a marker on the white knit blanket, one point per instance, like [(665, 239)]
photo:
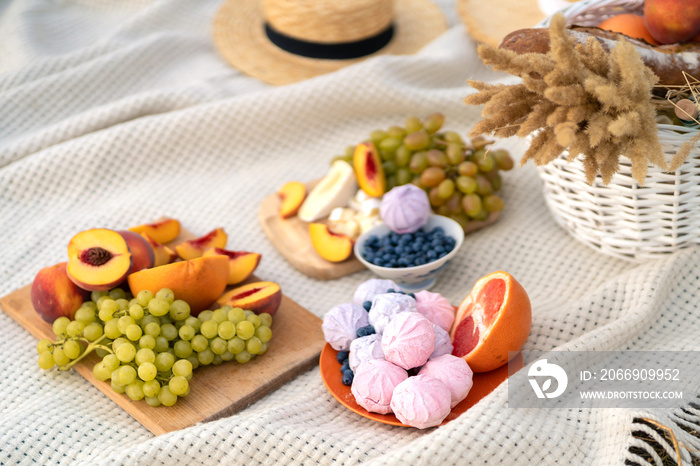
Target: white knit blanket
[(113, 113)]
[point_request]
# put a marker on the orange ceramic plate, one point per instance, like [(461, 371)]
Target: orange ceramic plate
[(484, 383)]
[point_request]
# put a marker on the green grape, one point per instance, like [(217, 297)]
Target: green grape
[(44, 345), (117, 293), (205, 315), (123, 304), (102, 352), (164, 320), (205, 357), (89, 305), (390, 182), (495, 179), (182, 348), (209, 328), (437, 158), (133, 332), (111, 362), (461, 218), (389, 144), (493, 203), (178, 385), (151, 387), (136, 311), (236, 315), (117, 388), (101, 372), (413, 124), (118, 342), (236, 345), (46, 360), (164, 361), (193, 322), (454, 204), (396, 132), (503, 159), (418, 140), (255, 320), (75, 328), (152, 329), (133, 301), (243, 357), (227, 356), (263, 349), (96, 295), (107, 304), (218, 345), (483, 186), (85, 315), (144, 355), (158, 307), (434, 197), (144, 297), (466, 184), (161, 344), (59, 357), (454, 137), (443, 210), (194, 361), (152, 401), (182, 367), (226, 330), (125, 375), (472, 204), (168, 331), (147, 341), (253, 345), (263, 333), (199, 343), (148, 319), (93, 331), (220, 315), (111, 329), (101, 301), (389, 167), (248, 313), (126, 352), (72, 349), (245, 330), (378, 135), (186, 332), (432, 176), (349, 151), (455, 153), (446, 188), (266, 319), (60, 324), (467, 168), (135, 390), (419, 162), (179, 310), (483, 215), (434, 122), (166, 294), (124, 322), (403, 176), (166, 397), (485, 162), (403, 156)]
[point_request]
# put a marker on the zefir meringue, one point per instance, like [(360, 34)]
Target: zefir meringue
[(405, 208), (368, 290), (408, 340), (374, 384), (365, 349), (436, 308), (340, 325), (454, 372), (443, 343), (386, 306), (421, 401)]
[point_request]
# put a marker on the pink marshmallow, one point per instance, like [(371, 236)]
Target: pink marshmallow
[(405, 208), (386, 306), (371, 288), (408, 340), (340, 325), (454, 372), (421, 401), (365, 349), (374, 383), (436, 308), (443, 343)]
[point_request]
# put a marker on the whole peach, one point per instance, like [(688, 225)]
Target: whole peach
[(672, 21), (54, 295)]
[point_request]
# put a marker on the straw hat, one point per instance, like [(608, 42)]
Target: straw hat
[(284, 41), (490, 21)]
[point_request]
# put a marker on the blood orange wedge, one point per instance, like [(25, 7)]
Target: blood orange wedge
[(493, 319)]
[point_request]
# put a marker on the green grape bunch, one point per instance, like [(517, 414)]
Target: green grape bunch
[(150, 344), (461, 177)]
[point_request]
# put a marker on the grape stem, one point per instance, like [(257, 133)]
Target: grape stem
[(88, 350)]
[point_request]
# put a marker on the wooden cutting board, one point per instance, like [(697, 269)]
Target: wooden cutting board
[(291, 239), (215, 391)]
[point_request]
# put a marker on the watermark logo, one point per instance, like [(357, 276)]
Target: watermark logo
[(547, 371)]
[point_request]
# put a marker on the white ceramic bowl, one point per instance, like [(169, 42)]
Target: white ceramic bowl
[(420, 277)]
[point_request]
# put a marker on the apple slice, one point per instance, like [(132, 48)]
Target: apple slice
[(334, 190), (162, 231), (333, 247), (241, 263), (163, 254), (292, 194), (258, 297), (194, 248)]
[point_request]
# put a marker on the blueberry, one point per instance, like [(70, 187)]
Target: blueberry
[(342, 356), (412, 295), (439, 231), (398, 250), (347, 377), (378, 262), (440, 249), (426, 248), (402, 262), (420, 260), (367, 305), (416, 247), (364, 331), (431, 255), (442, 254), (345, 366), (450, 240), (391, 290)]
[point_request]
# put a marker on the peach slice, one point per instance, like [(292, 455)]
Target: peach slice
[(334, 247), (98, 259), (194, 248), (54, 295), (258, 297), (368, 169), (241, 263), (162, 254), (162, 231), (292, 194), (142, 254), (198, 281)]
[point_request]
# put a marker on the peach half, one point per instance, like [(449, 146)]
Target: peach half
[(258, 297), (369, 170), (54, 295), (333, 247), (162, 254), (292, 195), (198, 281), (194, 248), (241, 264), (162, 231), (142, 254), (98, 259)]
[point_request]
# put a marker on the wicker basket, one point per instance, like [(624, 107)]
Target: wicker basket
[(624, 219)]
